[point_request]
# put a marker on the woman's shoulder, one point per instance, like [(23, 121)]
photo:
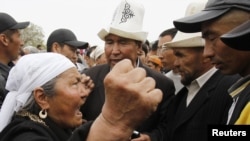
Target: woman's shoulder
[(22, 128)]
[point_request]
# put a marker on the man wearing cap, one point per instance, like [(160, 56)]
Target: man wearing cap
[(64, 41), (10, 43), (123, 40), (238, 39), (218, 18), (204, 100)]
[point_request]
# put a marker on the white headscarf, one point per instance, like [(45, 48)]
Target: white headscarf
[(31, 71)]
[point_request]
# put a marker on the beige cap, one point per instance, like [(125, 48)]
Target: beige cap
[(188, 39)]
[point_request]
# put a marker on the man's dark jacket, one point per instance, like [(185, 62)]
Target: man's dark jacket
[(4, 73), (209, 106)]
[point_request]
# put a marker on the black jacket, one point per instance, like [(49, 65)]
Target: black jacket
[(24, 129), (4, 72)]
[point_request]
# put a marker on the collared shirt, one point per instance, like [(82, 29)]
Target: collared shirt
[(196, 84), (137, 62)]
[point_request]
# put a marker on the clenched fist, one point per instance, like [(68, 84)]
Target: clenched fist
[(130, 96)]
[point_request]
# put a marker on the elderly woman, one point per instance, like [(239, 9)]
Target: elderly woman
[(46, 92)]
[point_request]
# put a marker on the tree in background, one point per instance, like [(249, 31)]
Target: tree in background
[(33, 36)]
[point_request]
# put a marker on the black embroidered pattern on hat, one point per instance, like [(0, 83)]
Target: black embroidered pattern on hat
[(127, 13)]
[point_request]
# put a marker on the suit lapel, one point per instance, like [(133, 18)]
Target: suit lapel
[(200, 98)]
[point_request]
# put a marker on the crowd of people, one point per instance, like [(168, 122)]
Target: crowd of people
[(193, 75)]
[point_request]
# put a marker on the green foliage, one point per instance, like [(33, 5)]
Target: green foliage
[(33, 35)]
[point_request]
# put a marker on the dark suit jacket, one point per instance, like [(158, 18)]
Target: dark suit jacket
[(154, 124), (209, 106)]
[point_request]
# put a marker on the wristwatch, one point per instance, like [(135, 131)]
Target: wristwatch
[(135, 134)]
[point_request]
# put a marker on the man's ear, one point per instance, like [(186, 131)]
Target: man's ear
[(40, 98), (56, 47), (4, 39), (139, 49)]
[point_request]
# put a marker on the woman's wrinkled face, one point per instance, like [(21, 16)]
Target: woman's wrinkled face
[(70, 95)]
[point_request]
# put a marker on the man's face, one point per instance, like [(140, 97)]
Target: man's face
[(228, 60), (70, 52), (161, 41), (167, 59), (118, 48), (189, 63), (14, 43)]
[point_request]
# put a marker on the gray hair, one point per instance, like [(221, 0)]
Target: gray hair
[(49, 90)]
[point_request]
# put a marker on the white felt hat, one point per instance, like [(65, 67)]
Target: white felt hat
[(127, 22)]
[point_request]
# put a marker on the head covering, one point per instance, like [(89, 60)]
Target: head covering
[(155, 59), (65, 36), (185, 40), (31, 71), (99, 50), (182, 39), (239, 37), (213, 9), (8, 22), (127, 22)]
